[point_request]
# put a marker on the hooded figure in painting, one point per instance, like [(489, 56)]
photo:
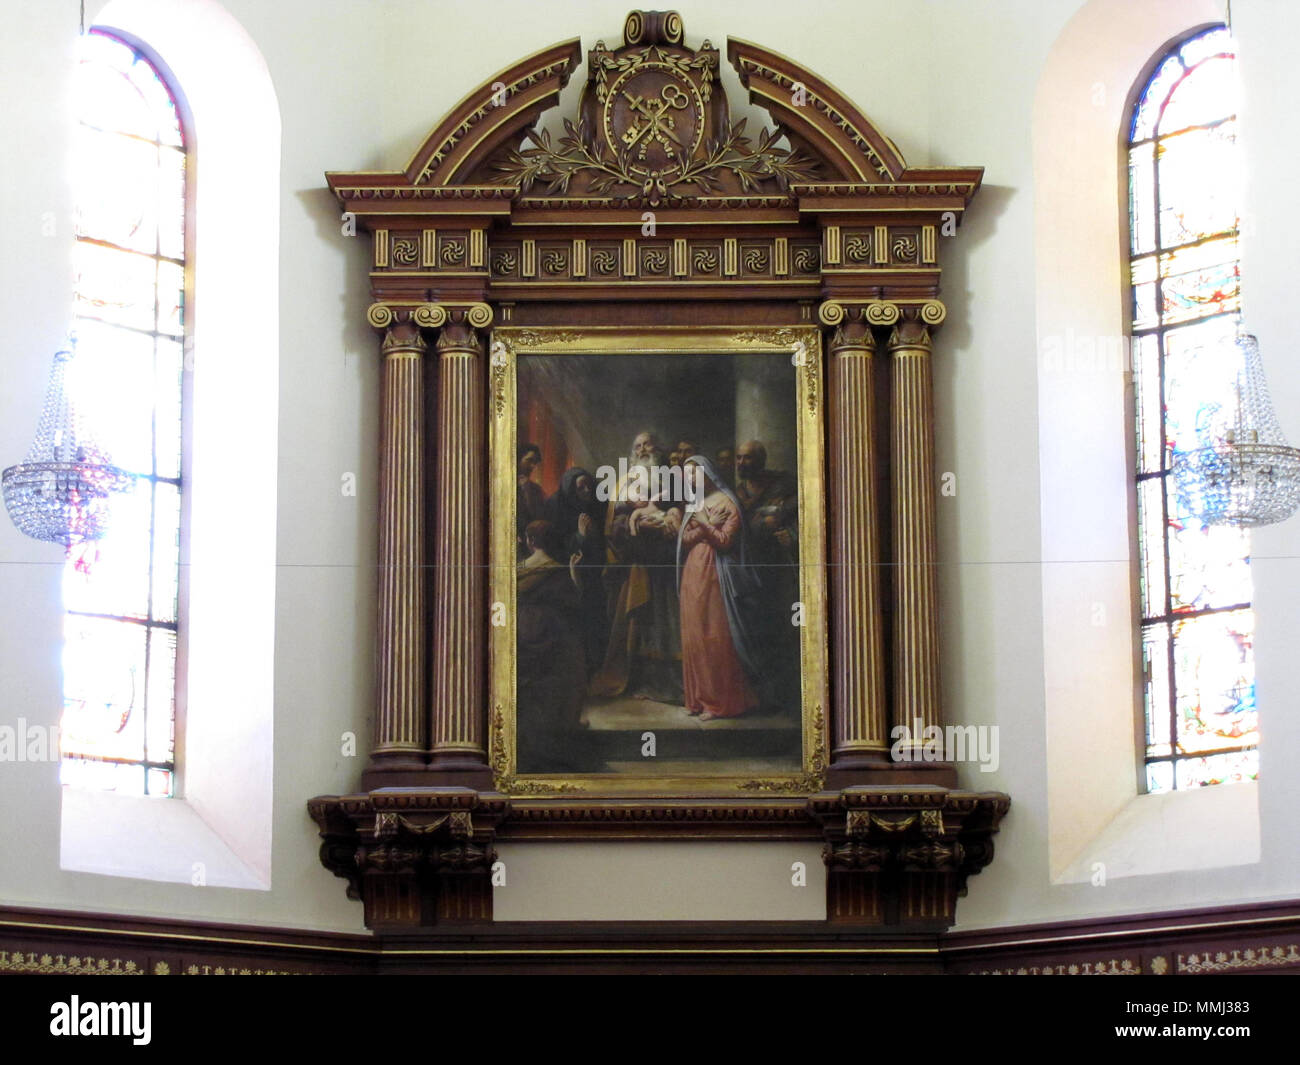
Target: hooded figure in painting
[(718, 592), (578, 520), (551, 670)]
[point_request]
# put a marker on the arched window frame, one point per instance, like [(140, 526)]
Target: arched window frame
[(1194, 755), (160, 773)]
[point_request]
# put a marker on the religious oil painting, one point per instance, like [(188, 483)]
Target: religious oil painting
[(657, 561)]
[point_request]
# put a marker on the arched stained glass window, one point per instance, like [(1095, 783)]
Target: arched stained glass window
[(1195, 580), (122, 594)]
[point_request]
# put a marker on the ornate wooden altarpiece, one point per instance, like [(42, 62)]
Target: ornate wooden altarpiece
[(814, 223)]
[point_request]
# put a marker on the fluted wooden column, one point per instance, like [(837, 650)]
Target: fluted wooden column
[(860, 724), (916, 621), (401, 726), (458, 706)]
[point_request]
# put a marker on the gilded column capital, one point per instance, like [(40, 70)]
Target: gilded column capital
[(852, 338), (475, 314), (403, 340), (909, 336), (930, 312), (915, 323), (872, 312)]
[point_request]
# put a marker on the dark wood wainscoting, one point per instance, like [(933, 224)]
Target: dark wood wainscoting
[(1257, 938)]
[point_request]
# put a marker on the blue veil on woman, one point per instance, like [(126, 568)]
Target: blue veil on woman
[(739, 582)]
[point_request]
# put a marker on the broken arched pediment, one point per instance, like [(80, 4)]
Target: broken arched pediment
[(654, 125)]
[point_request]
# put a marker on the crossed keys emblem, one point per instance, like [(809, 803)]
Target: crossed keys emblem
[(657, 115)]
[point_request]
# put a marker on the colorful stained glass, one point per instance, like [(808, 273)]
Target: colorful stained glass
[(111, 577), (1233, 768), (1142, 204), (1205, 45), (1209, 565), (1157, 92), (168, 370), (1155, 662), (1199, 184), (160, 717), (1143, 279), (1212, 289), (1200, 370), (1147, 403), (121, 593), (121, 410), (115, 286), (1151, 545), (166, 550), (1185, 282), (103, 688), (1207, 94), (1214, 674), (1160, 776)]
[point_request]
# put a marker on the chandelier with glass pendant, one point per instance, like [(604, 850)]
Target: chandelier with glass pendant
[(1246, 474), (62, 492)]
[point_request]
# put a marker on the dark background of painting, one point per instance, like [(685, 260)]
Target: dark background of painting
[(584, 410)]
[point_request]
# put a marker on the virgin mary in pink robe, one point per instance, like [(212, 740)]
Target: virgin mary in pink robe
[(716, 590)]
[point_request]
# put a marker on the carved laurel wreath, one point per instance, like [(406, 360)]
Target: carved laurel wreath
[(556, 166)]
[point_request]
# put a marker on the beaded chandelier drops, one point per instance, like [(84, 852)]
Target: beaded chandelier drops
[(1245, 474), (62, 492)]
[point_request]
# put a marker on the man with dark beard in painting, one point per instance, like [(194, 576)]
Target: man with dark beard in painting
[(643, 656), (530, 500)]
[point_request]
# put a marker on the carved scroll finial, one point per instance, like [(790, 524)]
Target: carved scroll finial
[(652, 27)]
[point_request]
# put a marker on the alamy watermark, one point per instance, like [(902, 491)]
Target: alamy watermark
[(75, 1017), (950, 743), (29, 743)]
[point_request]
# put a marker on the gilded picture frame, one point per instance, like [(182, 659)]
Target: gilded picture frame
[(633, 744)]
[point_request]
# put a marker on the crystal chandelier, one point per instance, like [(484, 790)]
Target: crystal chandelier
[(62, 493), (1247, 475)]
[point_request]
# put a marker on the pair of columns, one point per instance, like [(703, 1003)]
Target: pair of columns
[(417, 730), (862, 718), (414, 733)]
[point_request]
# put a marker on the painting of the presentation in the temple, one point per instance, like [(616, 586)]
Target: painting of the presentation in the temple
[(656, 520)]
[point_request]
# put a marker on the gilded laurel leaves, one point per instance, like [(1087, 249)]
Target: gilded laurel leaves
[(751, 166), (704, 63), (552, 167)]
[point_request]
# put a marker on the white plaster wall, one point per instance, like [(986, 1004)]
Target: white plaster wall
[(359, 83)]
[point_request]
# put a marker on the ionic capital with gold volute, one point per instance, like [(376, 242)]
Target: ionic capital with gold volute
[(383, 315), (882, 312)]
